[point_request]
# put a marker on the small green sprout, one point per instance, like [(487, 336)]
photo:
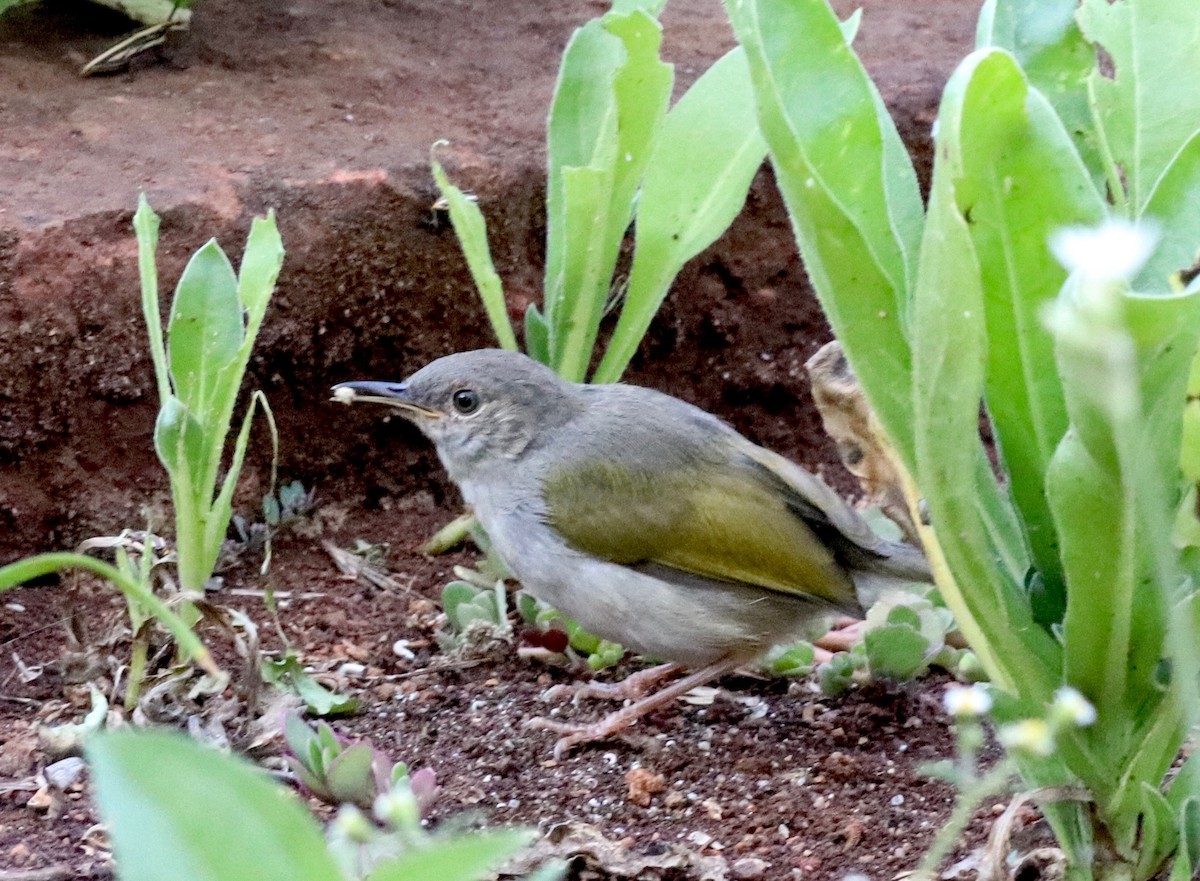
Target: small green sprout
[(289, 674), (344, 772)]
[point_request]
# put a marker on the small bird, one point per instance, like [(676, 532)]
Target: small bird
[(647, 520)]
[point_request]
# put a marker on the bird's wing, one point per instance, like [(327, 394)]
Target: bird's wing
[(738, 521)]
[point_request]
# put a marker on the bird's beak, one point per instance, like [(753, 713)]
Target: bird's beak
[(390, 394)]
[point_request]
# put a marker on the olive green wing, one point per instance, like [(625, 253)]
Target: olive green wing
[(738, 521)]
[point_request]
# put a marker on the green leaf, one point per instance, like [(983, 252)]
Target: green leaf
[(611, 94), (895, 651), (150, 11), (467, 858), (976, 529), (537, 335), (1149, 109), (1172, 206), (696, 182), (220, 512), (849, 187), (178, 438), (177, 811), (205, 330), (351, 775), (455, 595), (1020, 181), (261, 264), (145, 225), (288, 673), (471, 230), (1045, 38)]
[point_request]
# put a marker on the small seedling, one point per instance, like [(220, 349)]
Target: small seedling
[(337, 770), (289, 674)]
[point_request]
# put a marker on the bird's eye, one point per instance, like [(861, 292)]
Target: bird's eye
[(465, 401)]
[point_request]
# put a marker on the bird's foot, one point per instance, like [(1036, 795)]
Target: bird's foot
[(633, 687), (847, 632), (574, 735)]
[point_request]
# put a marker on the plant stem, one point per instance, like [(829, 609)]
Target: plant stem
[(968, 800), (44, 564)]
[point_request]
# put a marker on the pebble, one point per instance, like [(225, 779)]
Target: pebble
[(62, 774), (749, 867), (643, 785)]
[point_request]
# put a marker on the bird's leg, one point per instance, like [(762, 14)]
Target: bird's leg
[(619, 720), (632, 687), (845, 633)]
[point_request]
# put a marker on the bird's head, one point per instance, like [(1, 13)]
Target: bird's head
[(482, 409)]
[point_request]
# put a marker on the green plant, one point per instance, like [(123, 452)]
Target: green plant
[(177, 811), (904, 635), (288, 673), (1068, 114), (336, 770), (616, 153), (214, 320)]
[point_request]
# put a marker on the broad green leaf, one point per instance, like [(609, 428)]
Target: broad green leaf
[(1112, 501), (1188, 855), (471, 230), (151, 11), (466, 858), (261, 264), (179, 438), (205, 330), (984, 553), (895, 651), (598, 195), (696, 182), (177, 811), (849, 187), (587, 272), (1172, 207), (1020, 181), (582, 120), (1046, 41), (1150, 107), (351, 777)]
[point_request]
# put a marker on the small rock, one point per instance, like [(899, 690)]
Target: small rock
[(63, 773), (643, 784), (749, 867), (674, 799), (700, 838)]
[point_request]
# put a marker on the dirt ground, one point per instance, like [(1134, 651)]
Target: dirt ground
[(326, 111)]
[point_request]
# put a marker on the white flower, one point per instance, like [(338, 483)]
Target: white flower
[(1074, 707), (967, 701), (1029, 735), (1115, 250)]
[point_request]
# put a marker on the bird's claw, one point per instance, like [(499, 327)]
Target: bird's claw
[(573, 735)]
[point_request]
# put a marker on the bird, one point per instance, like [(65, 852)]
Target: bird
[(646, 519)]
